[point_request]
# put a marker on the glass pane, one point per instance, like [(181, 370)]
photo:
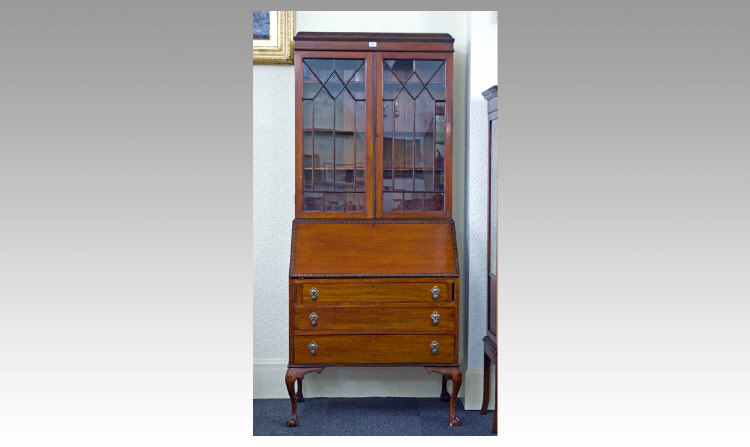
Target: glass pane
[(323, 112), (344, 150), (312, 201), (347, 67), (321, 68), (391, 85), (334, 86), (387, 153), (387, 117), (360, 180), (425, 113), (361, 112), (307, 75), (402, 69), (323, 149), (361, 159), (307, 111), (392, 201), (439, 181), (433, 201), (357, 88), (422, 180), (307, 149), (403, 180), (323, 180), (429, 181), (403, 112), (358, 200), (426, 69), (387, 180), (493, 197), (344, 180), (310, 89), (335, 201), (439, 135), (423, 147), (413, 201), (307, 180), (345, 112), (414, 86), (398, 153), (437, 90)]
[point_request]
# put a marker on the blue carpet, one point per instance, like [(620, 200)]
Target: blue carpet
[(367, 416)]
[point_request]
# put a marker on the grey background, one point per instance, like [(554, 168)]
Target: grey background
[(125, 223)]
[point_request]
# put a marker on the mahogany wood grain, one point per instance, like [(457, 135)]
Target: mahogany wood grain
[(374, 320), (380, 291), (373, 247), (372, 349)]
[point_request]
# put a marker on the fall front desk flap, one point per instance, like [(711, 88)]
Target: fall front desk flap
[(357, 248)]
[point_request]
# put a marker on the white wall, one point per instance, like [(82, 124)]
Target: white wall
[(273, 207)]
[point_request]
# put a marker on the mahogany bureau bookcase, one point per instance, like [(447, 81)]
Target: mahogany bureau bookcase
[(373, 278)]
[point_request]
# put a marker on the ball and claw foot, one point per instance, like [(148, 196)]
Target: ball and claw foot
[(291, 421), (454, 421)]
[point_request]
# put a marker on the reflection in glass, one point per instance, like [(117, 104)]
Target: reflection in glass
[(433, 201), (307, 149), (335, 201), (413, 201), (312, 201), (392, 201), (307, 179), (344, 150), (323, 157)]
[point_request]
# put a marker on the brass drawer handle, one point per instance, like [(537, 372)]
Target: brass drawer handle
[(435, 316), (314, 347), (434, 345), (313, 293), (313, 318), (435, 292)]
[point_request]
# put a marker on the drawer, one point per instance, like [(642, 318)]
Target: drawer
[(374, 319), (374, 292), (355, 349)]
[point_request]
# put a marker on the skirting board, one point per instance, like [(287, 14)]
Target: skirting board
[(268, 383)]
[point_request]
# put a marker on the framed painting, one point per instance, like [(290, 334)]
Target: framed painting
[(273, 33)]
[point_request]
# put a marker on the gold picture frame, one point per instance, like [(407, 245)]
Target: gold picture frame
[(279, 47)]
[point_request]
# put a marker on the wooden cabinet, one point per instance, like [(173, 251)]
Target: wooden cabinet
[(490, 340), (373, 277)]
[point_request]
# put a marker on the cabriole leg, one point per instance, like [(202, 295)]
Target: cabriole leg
[(454, 374), (290, 378), (296, 375)]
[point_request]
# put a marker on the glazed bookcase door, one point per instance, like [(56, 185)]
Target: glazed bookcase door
[(414, 133), (333, 134)]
